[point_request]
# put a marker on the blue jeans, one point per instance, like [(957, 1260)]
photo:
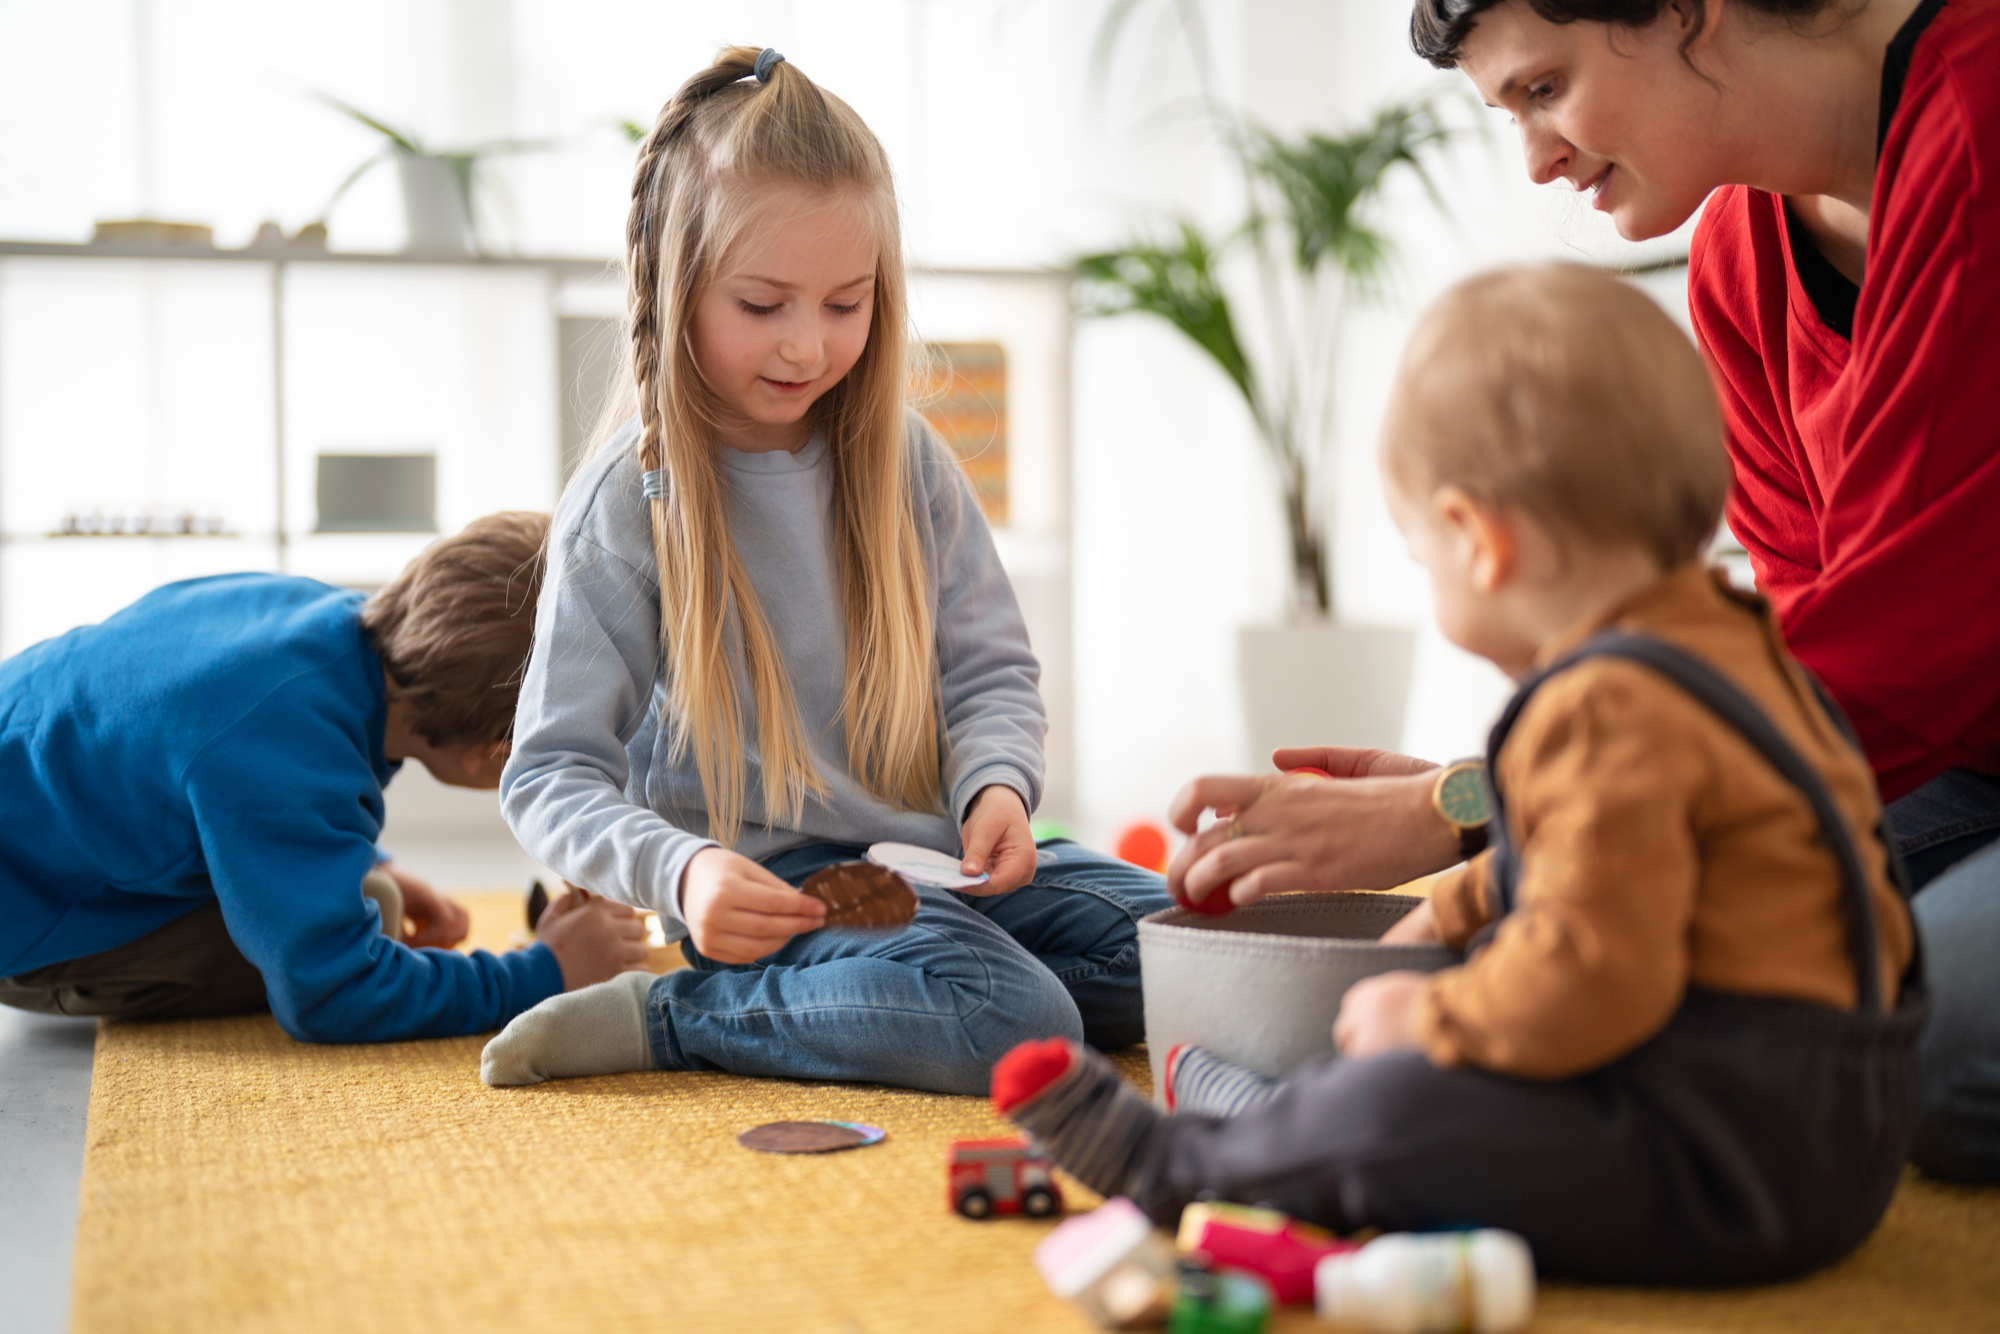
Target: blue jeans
[(931, 1006), (1946, 831)]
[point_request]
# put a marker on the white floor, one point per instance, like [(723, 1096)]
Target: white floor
[(44, 1090)]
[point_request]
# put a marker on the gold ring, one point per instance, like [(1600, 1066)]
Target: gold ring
[(1236, 829)]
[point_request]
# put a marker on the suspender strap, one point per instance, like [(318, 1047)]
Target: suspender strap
[(1722, 697)]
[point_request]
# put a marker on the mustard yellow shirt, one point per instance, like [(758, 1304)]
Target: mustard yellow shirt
[(1658, 850)]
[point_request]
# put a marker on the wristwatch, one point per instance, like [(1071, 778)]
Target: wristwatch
[(1461, 797)]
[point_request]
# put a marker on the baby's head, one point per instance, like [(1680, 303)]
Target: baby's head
[(1552, 438), (766, 281)]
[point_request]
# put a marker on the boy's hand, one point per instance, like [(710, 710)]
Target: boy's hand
[(1376, 1013), (738, 912), (997, 842), (593, 938), (439, 921), (1417, 927)]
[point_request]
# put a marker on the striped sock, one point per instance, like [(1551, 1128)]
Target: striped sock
[(1087, 1118), (1202, 1083)]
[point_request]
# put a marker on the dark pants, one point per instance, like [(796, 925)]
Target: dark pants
[(187, 969), (1752, 1140), (1946, 831)]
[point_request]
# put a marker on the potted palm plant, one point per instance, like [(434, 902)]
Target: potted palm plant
[(1296, 264)]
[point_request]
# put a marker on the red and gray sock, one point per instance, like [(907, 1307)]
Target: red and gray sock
[(1067, 1096), (1203, 1084)]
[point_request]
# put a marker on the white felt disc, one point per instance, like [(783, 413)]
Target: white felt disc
[(923, 866)]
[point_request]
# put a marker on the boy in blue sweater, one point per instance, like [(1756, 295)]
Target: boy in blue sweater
[(193, 790)]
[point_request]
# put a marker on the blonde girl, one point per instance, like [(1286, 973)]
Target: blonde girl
[(774, 630)]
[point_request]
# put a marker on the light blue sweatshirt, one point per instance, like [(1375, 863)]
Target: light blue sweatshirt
[(590, 789)]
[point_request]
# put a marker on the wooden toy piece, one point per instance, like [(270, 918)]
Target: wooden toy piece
[(861, 894), (1002, 1176), (538, 903), (1275, 1247), (1112, 1264), (1218, 1302), (538, 900), (1143, 844)]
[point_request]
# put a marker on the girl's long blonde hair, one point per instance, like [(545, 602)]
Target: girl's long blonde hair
[(719, 144)]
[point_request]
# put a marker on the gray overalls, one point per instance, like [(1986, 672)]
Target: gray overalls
[(1753, 1138)]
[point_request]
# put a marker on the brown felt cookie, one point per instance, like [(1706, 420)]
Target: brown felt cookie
[(802, 1137), (862, 894)]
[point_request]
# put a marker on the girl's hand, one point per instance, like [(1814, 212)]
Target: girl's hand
[(1418, 927), (1376, 1013), (738, 912), (997, 842), (439, 921)]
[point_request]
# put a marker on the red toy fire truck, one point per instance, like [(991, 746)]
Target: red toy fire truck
[(1002, 1176)]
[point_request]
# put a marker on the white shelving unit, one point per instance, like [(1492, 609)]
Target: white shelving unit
[(151, 382)]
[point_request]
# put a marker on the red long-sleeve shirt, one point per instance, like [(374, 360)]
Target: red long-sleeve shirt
[(1868, 469)]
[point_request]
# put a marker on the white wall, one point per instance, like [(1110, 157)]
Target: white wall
[(1008, 154)]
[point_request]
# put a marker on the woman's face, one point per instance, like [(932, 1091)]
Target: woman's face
[(1617, 112)]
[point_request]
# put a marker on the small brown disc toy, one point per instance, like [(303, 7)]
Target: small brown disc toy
[(862, 894)]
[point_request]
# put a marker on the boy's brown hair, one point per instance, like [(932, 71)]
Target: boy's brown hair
[(1564, 392), (454, 628)]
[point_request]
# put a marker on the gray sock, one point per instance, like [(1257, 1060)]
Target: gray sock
[(1090, 1120), (594, 1030), (1202, 1083)]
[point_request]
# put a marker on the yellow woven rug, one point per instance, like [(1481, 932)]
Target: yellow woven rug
[(236, 1180)]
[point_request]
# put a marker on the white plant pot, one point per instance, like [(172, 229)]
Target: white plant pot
[(1322, 684), (436, 212)]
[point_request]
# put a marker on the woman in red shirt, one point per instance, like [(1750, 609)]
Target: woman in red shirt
[(1844, 282)]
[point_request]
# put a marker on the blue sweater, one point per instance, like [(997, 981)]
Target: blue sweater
[(222, 738)]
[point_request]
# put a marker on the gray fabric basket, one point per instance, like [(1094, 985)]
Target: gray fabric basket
[(1260, 986)]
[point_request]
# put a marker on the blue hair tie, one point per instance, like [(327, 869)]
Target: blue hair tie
[(767, 60), (653, 484)]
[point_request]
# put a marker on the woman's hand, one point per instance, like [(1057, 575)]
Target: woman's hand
[(1377, 1012), (1372, 827), (738, 912), (1419, 926), (997, 842), (437, 920)]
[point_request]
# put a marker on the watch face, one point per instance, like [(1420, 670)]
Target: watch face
[(1462, 797)]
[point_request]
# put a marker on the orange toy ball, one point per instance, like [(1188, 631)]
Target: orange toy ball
[(1143, 844)]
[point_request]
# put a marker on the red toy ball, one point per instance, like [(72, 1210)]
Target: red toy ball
[(1143, 844), (1217, 903)]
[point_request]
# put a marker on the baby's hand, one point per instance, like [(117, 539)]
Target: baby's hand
[(1376, 1013), (1417, 927), (997, 842), (738, 912)]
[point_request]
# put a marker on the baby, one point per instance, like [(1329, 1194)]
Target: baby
[(1681, 1046)]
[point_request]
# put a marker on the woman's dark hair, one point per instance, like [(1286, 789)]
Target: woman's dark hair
[(1438, 28)]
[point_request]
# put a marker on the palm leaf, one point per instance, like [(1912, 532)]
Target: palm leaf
[(1173, 280), (1323, 182), (402, 139)]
